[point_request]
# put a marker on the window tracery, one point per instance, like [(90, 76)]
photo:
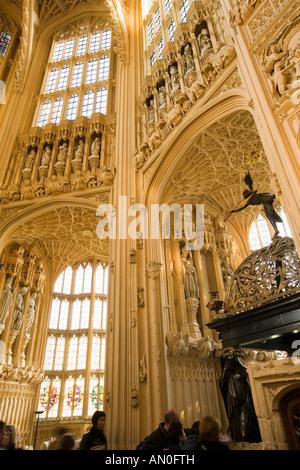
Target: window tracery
[(78, 316), (79, 63)]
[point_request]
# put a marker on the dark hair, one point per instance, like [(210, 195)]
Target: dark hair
[(96, 416), (66, 442), (175, 431), (171, 416), (195, 428), (2, 425)]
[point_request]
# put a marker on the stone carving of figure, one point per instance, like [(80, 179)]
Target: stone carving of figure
[(46, 156), (190, 279), (30, 159), (18, 312), (279, 77), (190, 63), (162, 97), (63, 153), (30, 312), (272, 57), (79, 152), (195, 88), (265, 199), (96, 147), (174, 76), (151, 113), (236, 392), (204, 42), (6, 299), (53, 185), (227, 271), (294, 56)]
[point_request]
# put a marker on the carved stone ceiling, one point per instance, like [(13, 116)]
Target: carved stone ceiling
[(64, 235), (212, 171), (49, 8)]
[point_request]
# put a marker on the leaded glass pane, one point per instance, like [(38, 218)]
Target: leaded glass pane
[(88, 103), (91, 74), (95, 42), (168, 5), (44, 114), (77, 74), (78, 397), (82, 349), (157, 18), (81, 45), (5, 39), (95, 360), (67, 280), (44, 394), (58, 51), (85, 314), (54, 398), (59, 283), (68, 397), (72, 108), (87, 285), (56, 112), (99, 285), (102, 353), (79, 280), (171, 30), (104, 315), (106, 39), (184, 9), (54, 315), (96, 395), (150, 31), (103, 68), (63, 78), (72, 356), (69, 48), (51, 84), (101, 101), (63, 317), (76, 314), (50, 349), (59, 353), (105, 280), (98, 306)]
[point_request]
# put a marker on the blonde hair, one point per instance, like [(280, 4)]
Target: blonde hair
[(209, 429)]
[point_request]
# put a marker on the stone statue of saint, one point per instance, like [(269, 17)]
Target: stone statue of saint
[(30, 159), (96, 147), (190, 278), (227, 271), (30, 312), (237, 396), (18, 312), (79, 152), (63, 153), (253, 198), (45, 160), (6, 299)]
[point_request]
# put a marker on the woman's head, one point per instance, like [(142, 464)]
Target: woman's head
[(99, 419)]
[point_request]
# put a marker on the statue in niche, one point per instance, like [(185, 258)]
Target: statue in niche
[(18, 312), (154, 138), (195, 88), (190, 278), (30, 312), (189, 59), (45, 160), (162, 97), (6, 299), (204, 42), (227, 271), (253, 198), (95, 148), (174, 77), (294, 57), (79, 152), (151, 113), (236, 392), (53, 185), (30, 159), (63, 153)]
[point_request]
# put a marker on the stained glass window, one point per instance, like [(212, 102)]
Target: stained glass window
[(88, 104), (56, 111), (44, 114), (5, 39), (160, 48), (77, 74), (82, 45), (150, 30), (63, 78), (157, 18), (70, 328), (103, 68), (69, 48), (92, 71), (168, 5), (106, 39)]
